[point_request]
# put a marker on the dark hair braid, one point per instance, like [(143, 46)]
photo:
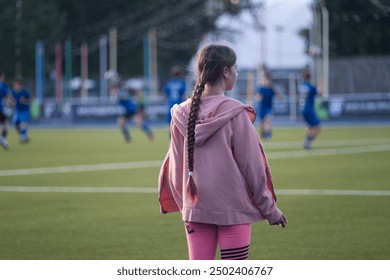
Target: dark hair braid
[(211, 61), (195, 102)]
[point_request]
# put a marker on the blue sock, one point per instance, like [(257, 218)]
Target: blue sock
[(268, 134), (4, 133), (146, 128), (126, 133), (23, 134), (309, 139)]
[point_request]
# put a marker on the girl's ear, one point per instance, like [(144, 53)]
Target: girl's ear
[(226, 72)]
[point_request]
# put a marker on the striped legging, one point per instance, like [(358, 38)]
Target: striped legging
[(203, 240)]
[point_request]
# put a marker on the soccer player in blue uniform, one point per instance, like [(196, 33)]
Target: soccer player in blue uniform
[(175, 90), (22, 100), (4, 95), (129, 110), (265, 95), (308, 93)]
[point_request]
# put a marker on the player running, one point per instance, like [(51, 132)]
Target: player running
[(129, 110), (174, 90), (4, 95), (308, 93), (22, 101), (265, 95)]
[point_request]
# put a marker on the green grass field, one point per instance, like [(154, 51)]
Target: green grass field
[(64, 221)]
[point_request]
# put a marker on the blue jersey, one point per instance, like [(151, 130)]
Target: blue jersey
[(125, 101), (19, 105), (175, 90), (308, 93), (265, 105), (4, 90), (268, 94)]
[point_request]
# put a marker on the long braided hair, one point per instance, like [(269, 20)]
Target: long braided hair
[(210, 64)]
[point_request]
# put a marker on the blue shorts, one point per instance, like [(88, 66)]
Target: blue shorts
[(263, 112), (21, 117), (311, 118), (128, 115), (3, 117)]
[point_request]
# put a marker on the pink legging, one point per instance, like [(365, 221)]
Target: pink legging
[(203, 240)]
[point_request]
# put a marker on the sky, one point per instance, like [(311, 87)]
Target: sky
[(283, 48)]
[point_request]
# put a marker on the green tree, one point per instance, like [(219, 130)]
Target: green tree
[(359, 27), (180, 26), (40, 20)]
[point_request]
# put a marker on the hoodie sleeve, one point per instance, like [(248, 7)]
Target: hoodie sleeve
[(253, 165), (171, 175), (176, 165), (165, 197)]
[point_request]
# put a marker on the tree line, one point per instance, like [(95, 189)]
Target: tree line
[(359, 27), (180, 26)]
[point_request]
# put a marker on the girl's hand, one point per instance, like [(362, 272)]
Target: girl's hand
[(281, 222)]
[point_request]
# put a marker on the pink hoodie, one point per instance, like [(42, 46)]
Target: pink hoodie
[(231, 171)]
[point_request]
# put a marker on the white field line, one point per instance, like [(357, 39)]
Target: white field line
[(157, 163), (328, 152), (77, 189), (321, 143), (154, 190), (332, 192), (82, 168)]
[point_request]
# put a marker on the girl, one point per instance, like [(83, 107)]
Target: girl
[(4, 95), (308, 94), (215, 171), (265, 95), (22, 101)]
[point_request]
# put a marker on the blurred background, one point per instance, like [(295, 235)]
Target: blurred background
[(70, 52), (79, 191)]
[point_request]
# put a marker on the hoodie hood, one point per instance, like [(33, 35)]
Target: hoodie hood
[(214, 112)]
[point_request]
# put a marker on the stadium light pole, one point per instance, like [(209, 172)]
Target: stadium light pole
[(153, 61), (279, 42), (39, 70), (84, 70), (103, 67), (258, 14), (68, 67), (315, 49), (58, 67), (150, 63), (319, 47), (261, 25), (113, 58), (18, 36), (113, 49), (263, 45), (146, 61), (325, 49)]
